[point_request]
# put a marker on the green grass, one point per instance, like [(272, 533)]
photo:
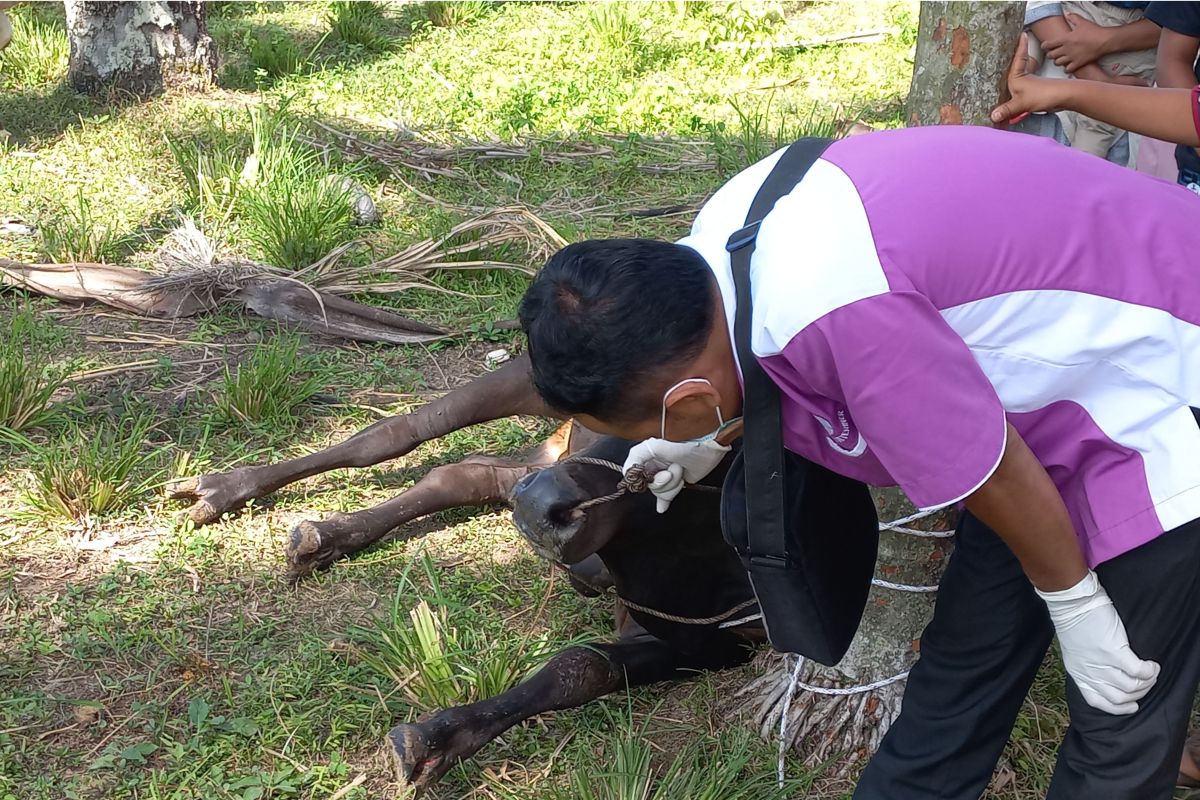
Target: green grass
[(176, 662), (630, 771), (274, 53), (264, 390), (453, 13), (615, 26), (88, 473), (359, 23), (37, 53), (76, 233), (291, 209), (439, 658), (28, 379)]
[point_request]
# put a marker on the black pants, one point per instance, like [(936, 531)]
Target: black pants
[(980, 653)]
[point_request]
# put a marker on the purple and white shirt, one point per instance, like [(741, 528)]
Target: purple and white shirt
[(908, 300)]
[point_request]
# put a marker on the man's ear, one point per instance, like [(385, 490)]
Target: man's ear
[(693, 391)]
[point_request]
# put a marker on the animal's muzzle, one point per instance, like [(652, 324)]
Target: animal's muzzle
[(545, 511)]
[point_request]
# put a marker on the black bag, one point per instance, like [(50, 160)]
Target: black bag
[(807, 536)]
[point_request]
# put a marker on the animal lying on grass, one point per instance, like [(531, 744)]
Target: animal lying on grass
[(684, 595)]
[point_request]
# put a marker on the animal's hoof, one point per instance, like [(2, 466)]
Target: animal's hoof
[(307, 551), (211, 495), (415, 758), (183, 488)]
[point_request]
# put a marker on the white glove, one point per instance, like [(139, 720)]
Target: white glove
[(674, 463), (1095, 649)]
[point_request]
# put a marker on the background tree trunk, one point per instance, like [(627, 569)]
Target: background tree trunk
[(963, 52), (848, 728), (139, 47)]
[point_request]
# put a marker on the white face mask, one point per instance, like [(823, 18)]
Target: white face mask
[(708, 437)]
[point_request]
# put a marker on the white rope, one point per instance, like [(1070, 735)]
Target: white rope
[(783, 717), (914, 517), (902, 587), (794, 682), (845, 690), (733, 623), (885, 526), (900, 526)]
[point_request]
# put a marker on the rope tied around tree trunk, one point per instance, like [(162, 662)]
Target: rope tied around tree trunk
[(637, 480)]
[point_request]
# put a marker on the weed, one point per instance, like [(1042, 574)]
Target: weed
[(298, 215), (77, 234), (263, 389), (294, 211), (358, 23), (211, 176), (273, 52), (719, 768), (26, 379), (437, 662), (453, 13), (290, 207), (89, 473), (744, 26), (761, 132), (615, 25), (37, 54)]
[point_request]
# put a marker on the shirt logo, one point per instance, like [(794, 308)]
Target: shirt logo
[(843, 435)]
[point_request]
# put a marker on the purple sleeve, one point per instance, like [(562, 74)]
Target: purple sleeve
[(916, 395)]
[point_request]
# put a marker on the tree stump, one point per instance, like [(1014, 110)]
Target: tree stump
[(849, 727), (141, 48)]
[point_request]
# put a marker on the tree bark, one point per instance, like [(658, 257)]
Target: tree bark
[(848, 728), (141, 48), (963, 52)]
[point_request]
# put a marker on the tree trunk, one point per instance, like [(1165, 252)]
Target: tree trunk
[(963, 52), (139, 47), (849, 727)]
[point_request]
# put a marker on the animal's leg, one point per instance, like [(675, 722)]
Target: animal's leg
[(503, 393), (477, 481), (423, 751)]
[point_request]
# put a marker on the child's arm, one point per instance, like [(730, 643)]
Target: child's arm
[(1168, 114), (1085, 42), (1055, 28)]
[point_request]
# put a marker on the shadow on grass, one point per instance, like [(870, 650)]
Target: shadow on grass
[(260, 54)]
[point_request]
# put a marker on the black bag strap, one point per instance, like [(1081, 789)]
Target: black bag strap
[(762, 438)]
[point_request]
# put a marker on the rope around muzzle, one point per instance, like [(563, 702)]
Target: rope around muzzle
[(635, 481)]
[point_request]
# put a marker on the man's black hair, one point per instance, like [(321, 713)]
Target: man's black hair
[(604, 317)]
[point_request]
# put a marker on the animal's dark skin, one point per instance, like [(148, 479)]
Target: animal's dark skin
[(477, 481), (676, 562), (506, 392)]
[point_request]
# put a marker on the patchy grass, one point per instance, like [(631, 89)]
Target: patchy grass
[(28, 380), (442, 660), (37, 53), (76, 234), (152, 659), (89, 473), (264, 390), (359, 23), (630, 771)]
